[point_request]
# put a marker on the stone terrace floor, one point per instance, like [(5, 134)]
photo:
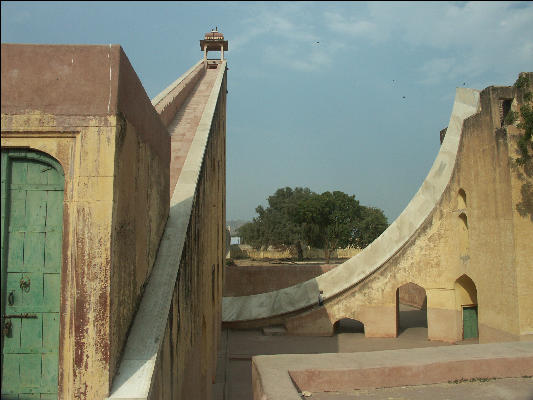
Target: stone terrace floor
[(497, 389), (237, 347)]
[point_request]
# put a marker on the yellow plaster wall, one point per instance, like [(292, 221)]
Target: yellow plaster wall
[(84, 146), (115, 209), (484, 172)]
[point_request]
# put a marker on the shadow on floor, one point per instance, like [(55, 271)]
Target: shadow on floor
[(411, 317)]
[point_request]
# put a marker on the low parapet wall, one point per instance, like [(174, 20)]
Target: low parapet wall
[(248, 280), (246, 251)]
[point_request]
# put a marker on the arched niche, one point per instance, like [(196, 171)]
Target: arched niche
[(465, 291), (463, 233), (461, 200)]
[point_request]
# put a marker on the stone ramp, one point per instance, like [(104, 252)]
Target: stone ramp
[(263, 308), (183, 127), (143, 361), (284, 376)]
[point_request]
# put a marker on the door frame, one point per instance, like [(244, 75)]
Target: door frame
[(463, 306), (26, 153)]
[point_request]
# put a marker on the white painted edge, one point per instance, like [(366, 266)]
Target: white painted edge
[(351, 272), (157, 99), (133, 379)]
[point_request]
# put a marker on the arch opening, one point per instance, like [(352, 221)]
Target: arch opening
[(467, 306), (348, 325), (411, 307)]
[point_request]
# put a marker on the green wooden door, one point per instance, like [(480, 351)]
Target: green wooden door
[(32, 225), (470, 322)]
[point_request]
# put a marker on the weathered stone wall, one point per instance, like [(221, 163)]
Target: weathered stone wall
[(88, 204), (483, 172), (187, 363), (59, 99)]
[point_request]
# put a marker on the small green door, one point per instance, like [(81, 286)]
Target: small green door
[(470, 322), (32, 227)]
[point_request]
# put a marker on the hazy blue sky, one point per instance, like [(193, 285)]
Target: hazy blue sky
[(337, 96)]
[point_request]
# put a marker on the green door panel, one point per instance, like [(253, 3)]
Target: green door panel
[(49, 375), (32, 228), (31, 335), (50, 327), (34, 242), (470, 322), (11, 375), (15, 250), (52, 258)]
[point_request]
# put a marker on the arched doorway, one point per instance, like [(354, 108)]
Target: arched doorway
[(32, 231), (466, 303), (411, 307)]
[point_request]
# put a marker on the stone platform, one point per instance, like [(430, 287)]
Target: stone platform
[(285, 376)]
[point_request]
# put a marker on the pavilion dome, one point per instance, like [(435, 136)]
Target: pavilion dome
[(214, 35)]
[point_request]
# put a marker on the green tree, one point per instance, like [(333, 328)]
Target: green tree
[(330, 220), (273, 226), (525, 139), (525, 142), (372, 224)]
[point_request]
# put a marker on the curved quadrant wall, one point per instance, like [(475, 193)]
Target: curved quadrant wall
[(351, 272)]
